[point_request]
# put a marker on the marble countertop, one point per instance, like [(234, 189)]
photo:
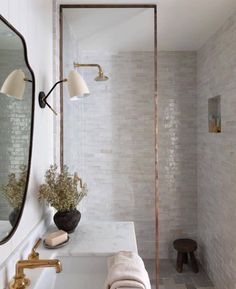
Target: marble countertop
[(90, 239), (96, 238)]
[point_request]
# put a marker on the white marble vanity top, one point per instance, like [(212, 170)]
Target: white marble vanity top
[(96, 238), (92, 242)]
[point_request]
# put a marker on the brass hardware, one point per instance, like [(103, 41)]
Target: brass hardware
[(83, 187), (88, 65), (100, 77), (20, 281), (79, 179), (35, 255), (53, 110)]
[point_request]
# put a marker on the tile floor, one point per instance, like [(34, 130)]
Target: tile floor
[(171, 279), (150, 265)]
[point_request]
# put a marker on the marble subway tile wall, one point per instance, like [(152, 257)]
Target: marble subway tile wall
[(177, 148), (217, 157), (110, 140)]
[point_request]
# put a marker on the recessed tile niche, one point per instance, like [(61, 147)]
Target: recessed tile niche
[(214, 114)]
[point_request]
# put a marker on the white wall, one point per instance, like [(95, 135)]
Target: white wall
[(34, 20)]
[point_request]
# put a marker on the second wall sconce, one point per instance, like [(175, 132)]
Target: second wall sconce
[(76, 85)]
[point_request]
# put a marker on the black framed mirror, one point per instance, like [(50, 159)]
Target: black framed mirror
[(17, 88)]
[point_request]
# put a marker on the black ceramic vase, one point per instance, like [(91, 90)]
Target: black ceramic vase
[(67, 221), (13, 217)]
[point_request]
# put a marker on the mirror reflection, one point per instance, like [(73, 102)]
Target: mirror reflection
[(15, 127)]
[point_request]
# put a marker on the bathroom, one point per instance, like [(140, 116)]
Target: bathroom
[(154, 142)]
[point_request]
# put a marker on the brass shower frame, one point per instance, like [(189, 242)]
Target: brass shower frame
[(117, 6)]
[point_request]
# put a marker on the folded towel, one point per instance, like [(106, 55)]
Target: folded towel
[(126, 269)]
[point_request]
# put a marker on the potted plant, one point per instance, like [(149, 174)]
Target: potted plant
[(14, 192), (61, 192)]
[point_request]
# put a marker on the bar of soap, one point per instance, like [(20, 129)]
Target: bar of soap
[(56, 238)]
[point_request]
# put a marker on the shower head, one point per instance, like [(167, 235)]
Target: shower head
[(100, 76)]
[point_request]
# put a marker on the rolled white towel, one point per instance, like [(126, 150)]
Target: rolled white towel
[(127, 270)]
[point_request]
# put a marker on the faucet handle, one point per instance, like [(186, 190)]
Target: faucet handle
[(35, 255)]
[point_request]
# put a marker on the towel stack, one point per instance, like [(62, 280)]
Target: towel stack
[(126, 270)]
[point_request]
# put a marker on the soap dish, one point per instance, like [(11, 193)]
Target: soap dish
[(57, 246)]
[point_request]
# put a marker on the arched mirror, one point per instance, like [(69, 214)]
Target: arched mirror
[(16, 127)]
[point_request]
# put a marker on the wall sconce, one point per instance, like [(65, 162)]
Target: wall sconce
[(76, 85), (14, 84), (100, 76)]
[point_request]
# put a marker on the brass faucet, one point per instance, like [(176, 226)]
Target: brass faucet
[(35, 255), (20, 281)]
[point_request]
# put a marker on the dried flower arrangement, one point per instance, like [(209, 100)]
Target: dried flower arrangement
[(61, 189), (14, 190)]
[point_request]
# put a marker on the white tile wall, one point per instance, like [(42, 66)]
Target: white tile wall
[(109, 138), (177, 148), (217, 157)]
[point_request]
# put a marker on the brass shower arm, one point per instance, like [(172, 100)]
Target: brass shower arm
[(100, 76), (89, 65)]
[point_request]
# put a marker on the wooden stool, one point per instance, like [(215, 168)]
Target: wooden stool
[(185, 247)]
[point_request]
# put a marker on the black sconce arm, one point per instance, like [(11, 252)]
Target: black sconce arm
[(43, 97)]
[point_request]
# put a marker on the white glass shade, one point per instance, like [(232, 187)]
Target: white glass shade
[(14, 85), (76, 85)]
